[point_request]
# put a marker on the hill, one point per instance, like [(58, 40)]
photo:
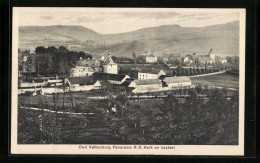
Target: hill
[(223, 38)]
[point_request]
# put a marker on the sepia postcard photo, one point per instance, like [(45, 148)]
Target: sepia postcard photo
[(128, 81)]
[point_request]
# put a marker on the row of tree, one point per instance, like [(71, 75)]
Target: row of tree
[(52, 60), (191, 71)]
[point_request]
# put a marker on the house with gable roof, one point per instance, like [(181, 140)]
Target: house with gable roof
[(145, 85), (110, 78), (150, 59), (85, 67), (83, 83), (151, 73), (177, 82)]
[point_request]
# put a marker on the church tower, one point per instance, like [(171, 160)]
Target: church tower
[(211, 54), (109, 66)]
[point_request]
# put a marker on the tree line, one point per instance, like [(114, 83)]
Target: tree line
[(52, 60)]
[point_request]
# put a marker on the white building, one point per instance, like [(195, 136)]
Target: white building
[(81, 71), (109, 66), (146, 85), (150, 59), (177, 82), (223, 61), (150, 74), (85, 67), (187, 59)]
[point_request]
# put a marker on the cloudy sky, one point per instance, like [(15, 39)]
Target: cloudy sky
[(117, 20)]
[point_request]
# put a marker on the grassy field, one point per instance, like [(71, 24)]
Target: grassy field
[(221, 80)]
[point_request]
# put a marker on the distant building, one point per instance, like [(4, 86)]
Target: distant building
[(223, 60), (83, 83), (174, 57), (145, 85), (177, 82), (85, 67), (204, 59), (165, 59), (111, 78), (150, 74), (150, 59), (188, 59), (109, 66)]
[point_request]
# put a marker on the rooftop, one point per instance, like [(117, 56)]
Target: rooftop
[(178, 79), (147, 81), (81, 80), (151, 55), (106, 76), (109, 60)]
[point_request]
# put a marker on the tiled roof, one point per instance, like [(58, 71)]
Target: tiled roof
[(81, 80), (147, 81), (151, 55), (106, 76), (127, 82), (178, 79)]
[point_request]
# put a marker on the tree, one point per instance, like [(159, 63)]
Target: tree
[(30, 63), (140, 60), (198, 88), (134, 116), (40, 50), (191, 71), (144, 123), (170, 103), (123, 131), (187, 72), (134, 56)]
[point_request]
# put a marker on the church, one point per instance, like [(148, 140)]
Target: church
[(204, 59)]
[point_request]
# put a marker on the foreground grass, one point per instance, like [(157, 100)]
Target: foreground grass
[(142, 122)]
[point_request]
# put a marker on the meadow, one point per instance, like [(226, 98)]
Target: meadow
[(225, 80)]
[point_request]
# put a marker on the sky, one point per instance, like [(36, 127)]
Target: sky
[(119, 20)]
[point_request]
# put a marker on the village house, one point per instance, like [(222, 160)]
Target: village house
[(109, 66), (85, 67), (146, 85), (150, 73), (83, 83), (111, 78), (174, 57), (176, 82), (223, 61), (150, 59), (188, 59)]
